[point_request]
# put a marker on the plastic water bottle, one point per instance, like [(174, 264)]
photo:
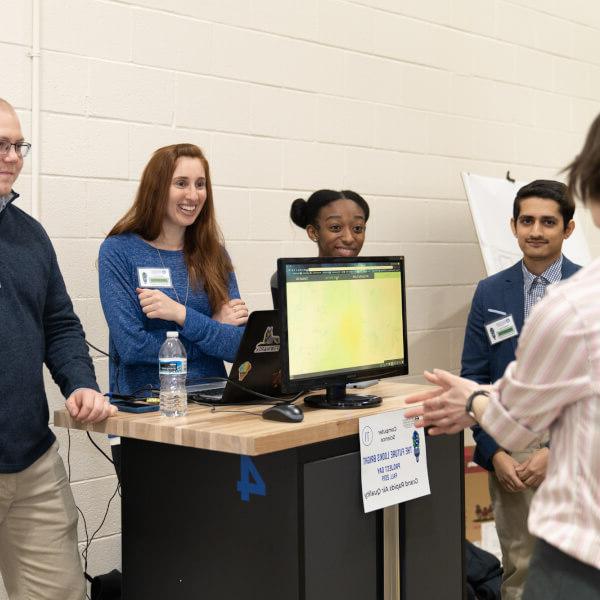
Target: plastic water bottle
[(172, 369)]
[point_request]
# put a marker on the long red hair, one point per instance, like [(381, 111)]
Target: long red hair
[(207, 262)]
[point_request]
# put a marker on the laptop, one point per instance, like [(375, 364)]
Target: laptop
[(257, 365)]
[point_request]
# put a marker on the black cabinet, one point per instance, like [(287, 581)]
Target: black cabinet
[(290, 525)]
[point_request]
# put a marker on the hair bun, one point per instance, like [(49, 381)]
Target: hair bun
[(298, 212)]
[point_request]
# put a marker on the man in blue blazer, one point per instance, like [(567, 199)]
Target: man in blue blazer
[(542, 220)]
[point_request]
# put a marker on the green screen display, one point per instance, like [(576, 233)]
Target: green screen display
[(344, 317)]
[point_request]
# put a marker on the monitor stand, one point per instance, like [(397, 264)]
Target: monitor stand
[(336, 397)]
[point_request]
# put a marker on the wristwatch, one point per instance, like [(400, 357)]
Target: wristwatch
[(471, 398)]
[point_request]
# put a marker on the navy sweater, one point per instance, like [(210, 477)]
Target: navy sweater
[(37, 326)]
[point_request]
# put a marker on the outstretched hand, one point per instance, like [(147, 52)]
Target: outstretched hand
[(443, 408)]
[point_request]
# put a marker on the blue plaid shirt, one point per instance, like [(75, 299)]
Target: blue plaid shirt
[(534, 286)]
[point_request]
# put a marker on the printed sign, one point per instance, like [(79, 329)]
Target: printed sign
[(393, 460)]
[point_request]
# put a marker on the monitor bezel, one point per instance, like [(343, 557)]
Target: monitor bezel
[(296, 385)]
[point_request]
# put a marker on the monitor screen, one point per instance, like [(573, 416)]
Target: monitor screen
[(343, 319)]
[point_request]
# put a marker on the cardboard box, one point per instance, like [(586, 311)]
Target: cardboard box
[(478, 506)]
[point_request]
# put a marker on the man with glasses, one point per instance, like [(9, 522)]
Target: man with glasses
[(38, 518)]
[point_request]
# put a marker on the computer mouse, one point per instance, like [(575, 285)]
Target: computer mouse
[(288, 413)]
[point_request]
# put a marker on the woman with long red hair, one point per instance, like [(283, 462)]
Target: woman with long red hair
[(162, 267)]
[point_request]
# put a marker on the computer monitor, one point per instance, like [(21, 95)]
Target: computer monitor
[(342, 320)]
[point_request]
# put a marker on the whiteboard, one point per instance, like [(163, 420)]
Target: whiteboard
[(491, 203)]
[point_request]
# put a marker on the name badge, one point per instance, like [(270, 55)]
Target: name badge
[(500, 330), (154, 278)]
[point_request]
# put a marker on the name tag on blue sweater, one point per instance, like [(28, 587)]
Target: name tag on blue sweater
[(149, 277)]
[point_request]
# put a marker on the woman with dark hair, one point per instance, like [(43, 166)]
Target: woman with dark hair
[(163, 267), (335, 221)]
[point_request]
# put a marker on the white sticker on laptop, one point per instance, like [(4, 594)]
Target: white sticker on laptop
[(500, 330), (269, 343), (149, 277)]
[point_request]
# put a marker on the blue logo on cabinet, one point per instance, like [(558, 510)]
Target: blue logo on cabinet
[(250, 480)]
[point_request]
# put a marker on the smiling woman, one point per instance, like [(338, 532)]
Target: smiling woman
[(187, 196), (335, 221), (163, 267)]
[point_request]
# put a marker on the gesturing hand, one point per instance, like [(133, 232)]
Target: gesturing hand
[(234, 312), (89, 406), (157, 305), (443, 408)]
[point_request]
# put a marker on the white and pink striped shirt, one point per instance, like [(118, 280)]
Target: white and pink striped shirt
[(555, 384)]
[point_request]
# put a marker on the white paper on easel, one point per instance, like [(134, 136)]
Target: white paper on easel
[(393, 460)]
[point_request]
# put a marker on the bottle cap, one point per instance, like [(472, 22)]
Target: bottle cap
[(172, 334)]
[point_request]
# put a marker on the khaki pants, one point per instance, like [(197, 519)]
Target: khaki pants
[(39, 559), (511, 510)]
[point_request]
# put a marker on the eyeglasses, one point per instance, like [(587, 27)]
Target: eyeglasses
[(21, 148)]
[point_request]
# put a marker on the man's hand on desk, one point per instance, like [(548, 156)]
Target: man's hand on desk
[(533, 471), (505, 467), (89, 406)]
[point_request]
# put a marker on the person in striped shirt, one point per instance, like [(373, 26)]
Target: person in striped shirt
[(553, 384), (542, 221)]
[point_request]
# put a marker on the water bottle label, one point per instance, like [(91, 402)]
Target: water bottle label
[(172, 366)]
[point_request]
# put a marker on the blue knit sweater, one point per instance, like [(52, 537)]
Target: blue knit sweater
[(135, 339), (37, 326)]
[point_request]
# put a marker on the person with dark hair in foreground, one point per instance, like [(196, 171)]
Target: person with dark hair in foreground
[(335, 221), (553, 384), (38, 517), (542, 220)]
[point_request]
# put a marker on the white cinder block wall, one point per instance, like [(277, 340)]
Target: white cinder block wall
[(390, 98)]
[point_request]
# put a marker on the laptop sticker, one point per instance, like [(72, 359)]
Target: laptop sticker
[(269, 343), (243, 370)]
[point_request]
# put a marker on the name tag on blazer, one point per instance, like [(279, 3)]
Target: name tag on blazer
[(501, 329), (149, 277)]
